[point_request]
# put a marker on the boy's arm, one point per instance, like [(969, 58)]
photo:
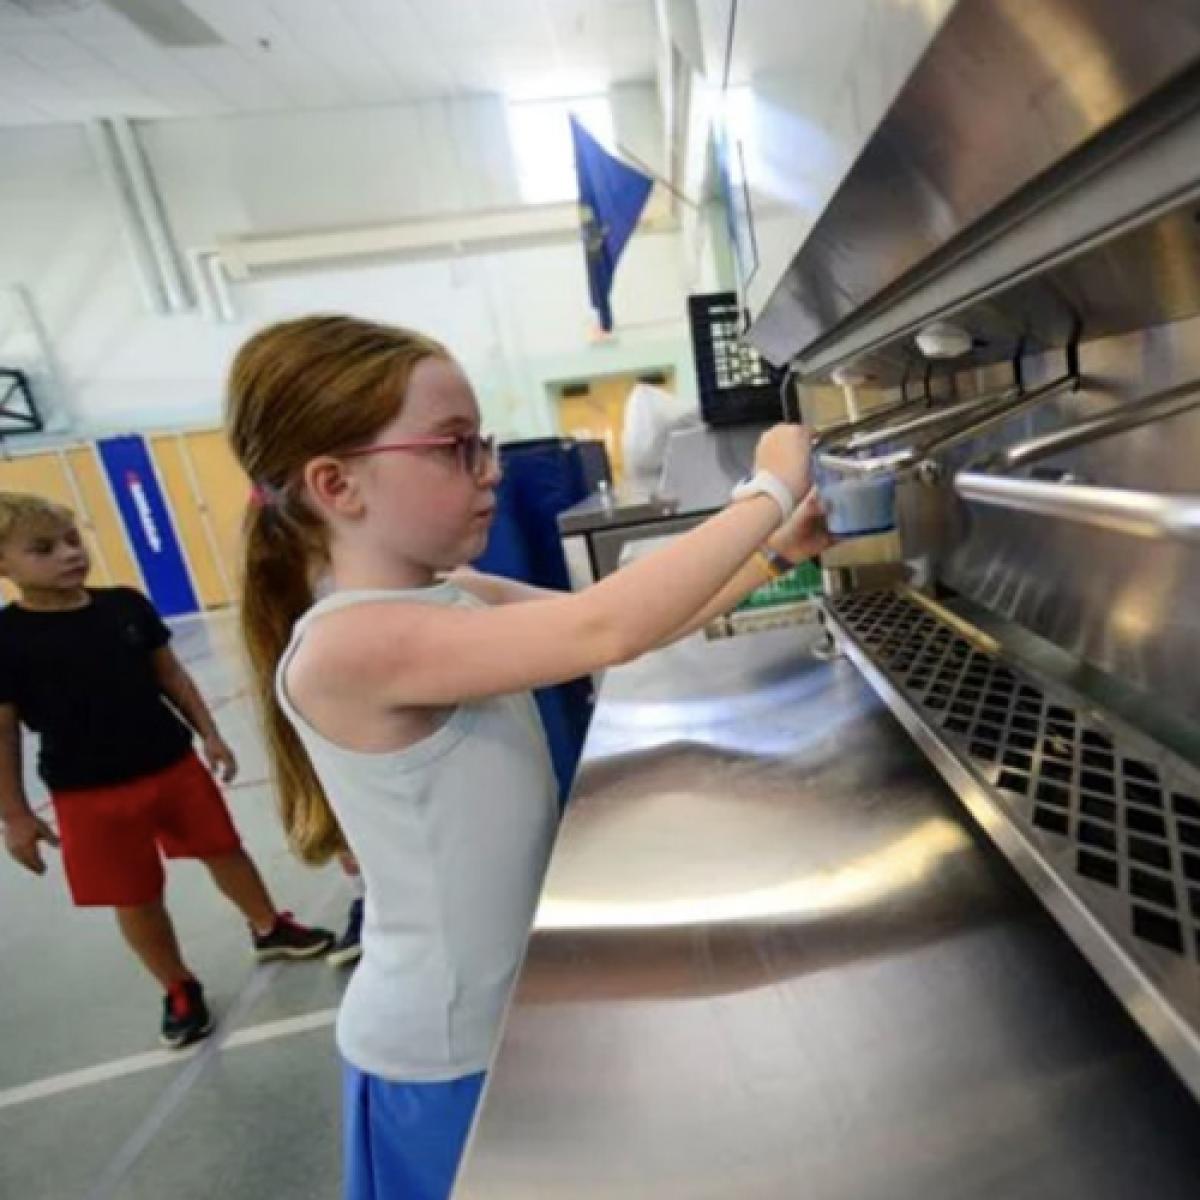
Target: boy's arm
[(23, 829), (179, 687)]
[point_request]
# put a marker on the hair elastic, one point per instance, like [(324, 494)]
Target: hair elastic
[(263, 495)]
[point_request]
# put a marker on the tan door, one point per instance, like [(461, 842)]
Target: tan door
[(593, 416), (100, 514), (191, 519), (599, 414), (224, 491), (74, 479)]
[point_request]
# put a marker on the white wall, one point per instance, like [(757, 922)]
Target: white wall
[(283, 171), (516, 317)]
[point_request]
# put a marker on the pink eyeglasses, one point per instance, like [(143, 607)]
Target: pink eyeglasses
[(476, 454)]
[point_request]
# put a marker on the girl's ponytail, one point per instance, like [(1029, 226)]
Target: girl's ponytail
[(276, 592), (298, 390)]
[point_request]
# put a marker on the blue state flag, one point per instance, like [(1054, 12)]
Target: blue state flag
[(611, 199)]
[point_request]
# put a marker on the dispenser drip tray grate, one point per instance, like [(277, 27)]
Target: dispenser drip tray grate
[(1117, 814)]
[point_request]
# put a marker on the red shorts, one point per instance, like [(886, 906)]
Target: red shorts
[(113, 837)]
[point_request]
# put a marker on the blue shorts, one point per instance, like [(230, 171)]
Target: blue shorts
[(402, 1141)]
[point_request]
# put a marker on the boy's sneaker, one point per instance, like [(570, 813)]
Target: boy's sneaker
[(349, 946), (290, 940), (186, 1017)]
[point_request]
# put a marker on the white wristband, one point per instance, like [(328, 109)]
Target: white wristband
[(763, 483)]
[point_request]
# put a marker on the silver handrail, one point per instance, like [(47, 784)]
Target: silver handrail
[(997, 416), (1144, 411), (865, 441), (996, 409), (832, 435), (1123, 510), (1157, 515)]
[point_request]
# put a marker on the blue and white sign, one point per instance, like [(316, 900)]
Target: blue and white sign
[(147, 520)]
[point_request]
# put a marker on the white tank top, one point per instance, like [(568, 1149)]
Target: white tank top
[(452, 835)]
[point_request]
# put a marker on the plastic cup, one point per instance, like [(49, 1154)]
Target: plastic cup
[(858, 505)]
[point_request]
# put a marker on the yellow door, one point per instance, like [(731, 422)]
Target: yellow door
[(224, 491), (599, 415), (590, 418), (189, 515), (50, 475), (103, 517)]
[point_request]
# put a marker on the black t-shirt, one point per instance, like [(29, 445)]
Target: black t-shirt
[(84, 680)]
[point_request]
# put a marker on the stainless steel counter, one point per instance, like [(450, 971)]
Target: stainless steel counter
[(605, 510), (600, 530), (773, 959)]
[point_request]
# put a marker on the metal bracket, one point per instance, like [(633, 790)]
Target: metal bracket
[(1018, 369), (18, 409), (1073, 355)]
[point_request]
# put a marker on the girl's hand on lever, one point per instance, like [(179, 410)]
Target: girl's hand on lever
[(786, 451), (804, 534)]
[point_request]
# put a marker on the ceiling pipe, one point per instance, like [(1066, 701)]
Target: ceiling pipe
[(103, 142), (151, 214)]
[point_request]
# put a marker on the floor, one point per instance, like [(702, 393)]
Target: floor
[(90, 1108)]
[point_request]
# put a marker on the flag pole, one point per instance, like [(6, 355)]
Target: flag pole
[(653, 174)]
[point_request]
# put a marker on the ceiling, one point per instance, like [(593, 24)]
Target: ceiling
[(67, 60)]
